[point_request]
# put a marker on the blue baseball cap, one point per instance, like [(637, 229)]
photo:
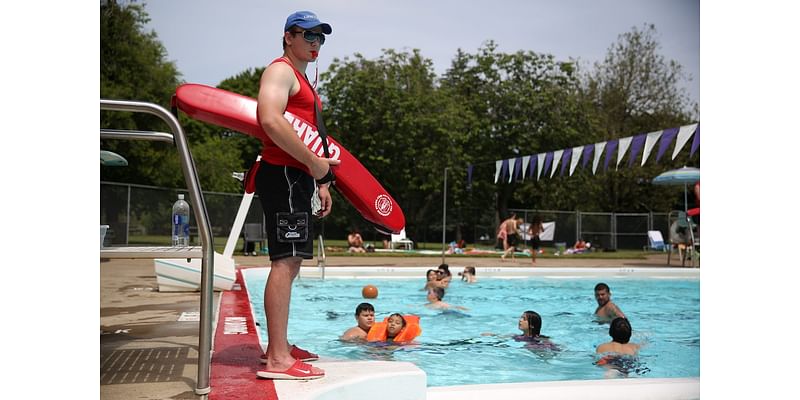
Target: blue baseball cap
[(306, 20)]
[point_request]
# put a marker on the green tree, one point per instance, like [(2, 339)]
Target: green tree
[(513, 105), (388, 113), (134, 66), (635, 90)]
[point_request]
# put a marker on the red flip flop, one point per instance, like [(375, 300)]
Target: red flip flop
[(298, 354), (298, 371)]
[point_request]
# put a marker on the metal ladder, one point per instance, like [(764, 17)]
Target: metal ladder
[(205, 252)]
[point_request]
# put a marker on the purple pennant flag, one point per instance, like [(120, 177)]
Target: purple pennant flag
[(566, 159), (696, 141), (532, 166), (587, 154), (667, 138), (503, 170), (636, 145), (517, 169), (469, 176), (611, 147), (548, 158)]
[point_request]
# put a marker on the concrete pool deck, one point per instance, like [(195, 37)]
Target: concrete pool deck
[(147, 353)]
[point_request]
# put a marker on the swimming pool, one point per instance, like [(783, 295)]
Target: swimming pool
[(665, 315)]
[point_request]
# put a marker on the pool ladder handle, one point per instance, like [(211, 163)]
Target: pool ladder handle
[(321, 257)]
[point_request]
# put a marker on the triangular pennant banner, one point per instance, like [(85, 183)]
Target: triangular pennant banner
[(696, 141), (576, 157), (565, 159), (666, 139), (587, 154), (532, 167), (525, 161), (497, 167), (611, 145), (511, 170), (556, 158), (540, 165), (548, 159), (469, 176), (683, 136), (649, 143), (636, 146), (598, 152), (624, 143)]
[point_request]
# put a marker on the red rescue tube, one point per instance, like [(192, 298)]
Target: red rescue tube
[(354, 182)]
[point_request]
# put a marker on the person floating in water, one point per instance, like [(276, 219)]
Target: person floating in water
[(435, 297), (530, 323), (606, 309), (365, 317), (619, 355), (395, 328)]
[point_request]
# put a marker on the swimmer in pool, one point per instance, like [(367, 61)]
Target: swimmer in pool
[(468, 275), (435, 296), (620, 332), (431, 277), (530, 323), (619, 355), (606, 309), (365, 317), (394, 325)]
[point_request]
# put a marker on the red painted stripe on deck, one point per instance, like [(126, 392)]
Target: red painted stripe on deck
[(236, 357)]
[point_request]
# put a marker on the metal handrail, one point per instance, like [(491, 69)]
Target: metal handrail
[(321, 257), (200, 213)]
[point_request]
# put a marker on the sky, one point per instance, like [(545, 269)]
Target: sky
[(212, 40)]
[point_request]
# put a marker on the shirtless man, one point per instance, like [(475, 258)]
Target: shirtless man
[(365, 317), (511, 237), (606, 309), (620, 332)]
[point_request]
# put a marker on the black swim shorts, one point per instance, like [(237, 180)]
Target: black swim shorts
[(536, 243), (512, 239), (285, 194)]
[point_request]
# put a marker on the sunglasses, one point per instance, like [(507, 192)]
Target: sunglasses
[(311, 37)]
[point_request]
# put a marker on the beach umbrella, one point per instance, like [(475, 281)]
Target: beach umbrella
[(681, 176), (111, 159)]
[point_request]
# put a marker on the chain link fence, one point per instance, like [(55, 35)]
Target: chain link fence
[(141, 215)]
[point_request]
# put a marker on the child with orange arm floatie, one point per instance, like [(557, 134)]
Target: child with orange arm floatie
[(395, 328)]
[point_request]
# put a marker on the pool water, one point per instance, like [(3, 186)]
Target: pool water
[(664, 314)]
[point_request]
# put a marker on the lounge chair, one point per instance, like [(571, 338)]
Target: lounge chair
[(655, 241), (254, 233), (401, 240)]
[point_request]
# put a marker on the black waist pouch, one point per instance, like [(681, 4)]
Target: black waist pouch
[(292, 227)]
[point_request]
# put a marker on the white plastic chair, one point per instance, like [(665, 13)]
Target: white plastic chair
[(655, 241), (402, 240)]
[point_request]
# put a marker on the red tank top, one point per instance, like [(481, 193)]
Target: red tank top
[(300, 104)]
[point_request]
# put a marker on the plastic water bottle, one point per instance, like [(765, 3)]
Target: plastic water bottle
[(180, 223)]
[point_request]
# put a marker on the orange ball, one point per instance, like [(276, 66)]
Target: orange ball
[(369, 292)]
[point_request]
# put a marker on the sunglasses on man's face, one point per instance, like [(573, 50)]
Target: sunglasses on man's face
[(311, 37)]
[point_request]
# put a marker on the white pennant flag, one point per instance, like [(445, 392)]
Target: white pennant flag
[(576, 157), (624, 143), (511, 163), (497, 165), (598, 151), (683, 136), (525, 165), (649, 143), (540, 163), (556, 158)]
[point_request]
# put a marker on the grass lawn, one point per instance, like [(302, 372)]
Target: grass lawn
[(334, 248)]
